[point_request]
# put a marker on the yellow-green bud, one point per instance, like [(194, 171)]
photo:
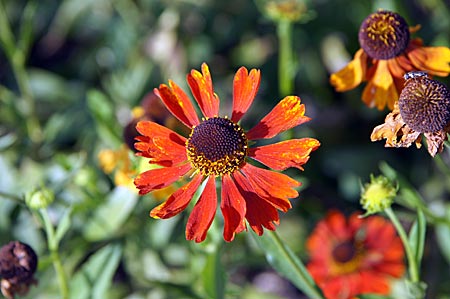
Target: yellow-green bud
[(39, 198), (377, 195)]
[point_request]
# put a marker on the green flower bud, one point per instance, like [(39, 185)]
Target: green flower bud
[(39, 198), (377, 195)]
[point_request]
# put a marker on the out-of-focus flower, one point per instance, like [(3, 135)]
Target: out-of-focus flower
[(286, 10), (387, 53), (355, 255), (219, 147), (18, 263), (423, 108), (377, 195)]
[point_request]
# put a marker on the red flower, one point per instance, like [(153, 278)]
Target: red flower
[(354, 256), (218, 147)]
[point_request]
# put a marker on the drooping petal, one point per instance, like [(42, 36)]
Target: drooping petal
[(285, 154), (203, 91), (162, 145), (274, 187), (178, 103), (233, 209), (288, 113), (435, 60), (260, 213), (352, 75), (203, 213), (178, 201), (245, 87), (380, 90), (160, 178), (395, 131)]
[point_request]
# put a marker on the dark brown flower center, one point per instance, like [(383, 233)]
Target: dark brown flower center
[(384, 35), (344, 252), (217, 146), (425, 104)]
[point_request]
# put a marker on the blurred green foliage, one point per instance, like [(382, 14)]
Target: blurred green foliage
[(70, 73)]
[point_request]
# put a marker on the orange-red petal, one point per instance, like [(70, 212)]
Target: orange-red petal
[(260, 213), (233, 209), (203, 213), (178, 201), (162, 145), (380, 90), (351, 75), (178, 103), (288, 113), (203, 91), (160, 178), (274, 187), (285, 154), (245, 87), (434, 60)]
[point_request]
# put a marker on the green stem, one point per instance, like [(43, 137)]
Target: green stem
[(412, 262), (11, 197), (285, 59), (309, 288), (54, 254), (16, 57)]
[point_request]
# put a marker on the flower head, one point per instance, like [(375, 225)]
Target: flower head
[(18, 263), (219, 148), (377, 195), (423, 108), (354, 256), (387, 53)]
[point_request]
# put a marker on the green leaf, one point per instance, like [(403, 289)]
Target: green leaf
[(285, 262), (95, 277), (373, 296), (63, 226), (214, 276), (109, 217), (443, 237), (417, 236)]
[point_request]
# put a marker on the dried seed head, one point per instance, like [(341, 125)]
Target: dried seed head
[(425, 104)]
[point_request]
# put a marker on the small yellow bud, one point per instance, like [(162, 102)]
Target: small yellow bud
[(377, 195)]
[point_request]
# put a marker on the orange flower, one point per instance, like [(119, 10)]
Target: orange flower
[(218, 147), (423, 108), (386, 54), (354, 256)]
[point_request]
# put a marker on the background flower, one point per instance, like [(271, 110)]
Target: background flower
[(386, 54), (355, 255)]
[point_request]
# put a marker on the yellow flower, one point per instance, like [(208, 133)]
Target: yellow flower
[(387, 53), (377, 195)]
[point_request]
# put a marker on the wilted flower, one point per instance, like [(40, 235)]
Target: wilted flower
[(423, 108), (354, 256), (387, 53), (18, 263), (218, 147)]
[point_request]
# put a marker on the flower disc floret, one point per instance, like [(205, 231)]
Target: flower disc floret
[(217, 146), (425, 105), (384, 35)]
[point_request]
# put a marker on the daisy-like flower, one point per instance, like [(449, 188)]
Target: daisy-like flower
[(219, 148), (387, 53), (423, 108), (354, 256)]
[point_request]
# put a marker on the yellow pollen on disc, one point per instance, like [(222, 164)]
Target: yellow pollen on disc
[(217, 146)]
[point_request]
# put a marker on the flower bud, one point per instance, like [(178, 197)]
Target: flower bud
[(39, 198), (377, 195)]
